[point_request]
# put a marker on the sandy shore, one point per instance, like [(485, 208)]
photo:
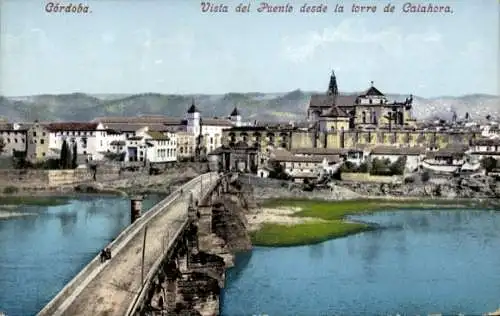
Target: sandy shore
[(277, 215), (495, 313)]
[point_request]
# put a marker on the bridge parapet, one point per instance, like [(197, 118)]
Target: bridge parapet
[(190, 277), (158, 277), (62, 303)]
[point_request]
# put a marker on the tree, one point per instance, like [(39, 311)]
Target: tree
[(65, 158), (277, 171), (467, 116), (2, 145), (69, 158), (425, 176), (489, 163), (380, 167), (74, 162), (398, 167)]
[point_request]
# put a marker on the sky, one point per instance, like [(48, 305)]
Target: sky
[(171, 46)]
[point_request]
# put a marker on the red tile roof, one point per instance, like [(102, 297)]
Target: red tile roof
[(323, 100), (72, 126), (336, 111)]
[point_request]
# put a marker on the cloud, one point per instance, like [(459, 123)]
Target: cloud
[(158, 61), (391, 39)]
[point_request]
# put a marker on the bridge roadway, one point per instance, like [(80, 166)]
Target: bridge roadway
[(112, 286)]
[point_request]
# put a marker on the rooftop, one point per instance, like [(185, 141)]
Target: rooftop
[(393, 150), (155, 135), (235, 112), (193, 109), (72, 126)]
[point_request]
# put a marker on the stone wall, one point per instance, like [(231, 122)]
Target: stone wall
[(51, 178), (253, 180), (189, 279), (366, 177), (15, 177)]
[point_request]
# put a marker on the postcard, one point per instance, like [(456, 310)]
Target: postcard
[(232, 157)]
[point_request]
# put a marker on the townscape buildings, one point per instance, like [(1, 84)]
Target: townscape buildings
[(337, 129)]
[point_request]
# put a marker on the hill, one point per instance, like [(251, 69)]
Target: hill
[(254, 106)]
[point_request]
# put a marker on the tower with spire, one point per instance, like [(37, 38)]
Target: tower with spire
[(235, 117), (333, 90), (193, 119)]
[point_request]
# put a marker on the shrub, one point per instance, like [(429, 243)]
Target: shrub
[(351, 167), (364, 167), (398, 167), (489, 163), (10, 189), (384, 167), (425, 176), (409, 180)]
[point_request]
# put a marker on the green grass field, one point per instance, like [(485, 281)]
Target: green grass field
[(331, 223)]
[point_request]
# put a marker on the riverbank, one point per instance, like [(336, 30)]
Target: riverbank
[(129, 183), (14, 205), (289, 222)]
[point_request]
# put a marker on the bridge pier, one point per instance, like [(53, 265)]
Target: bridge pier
[(192, 273), (135, 208)]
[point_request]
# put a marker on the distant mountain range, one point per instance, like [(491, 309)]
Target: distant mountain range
[(253, 106)]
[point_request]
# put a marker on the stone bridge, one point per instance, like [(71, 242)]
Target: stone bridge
[(156, 261)]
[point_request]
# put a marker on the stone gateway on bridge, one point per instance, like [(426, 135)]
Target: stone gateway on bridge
[(172, 259)]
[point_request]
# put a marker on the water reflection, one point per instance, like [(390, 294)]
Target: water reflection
[(40, 254), (316, 251), (421, 262), (68, 222), (241, 262)]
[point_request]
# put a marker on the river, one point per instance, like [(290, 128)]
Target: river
[(40, 253), (419, 262)]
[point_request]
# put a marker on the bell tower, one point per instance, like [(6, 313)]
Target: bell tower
[(333, 90)]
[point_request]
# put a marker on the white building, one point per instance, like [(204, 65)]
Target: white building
[(447, 160), (151, 146), (305, 166), (357, 156), (485, 147), (414, 155), (14, 138), (192, 126), (90, 138), (490, 131), (209, 128)]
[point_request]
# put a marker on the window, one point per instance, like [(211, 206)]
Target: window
[(34, 134), (43, 154), (42, 141)]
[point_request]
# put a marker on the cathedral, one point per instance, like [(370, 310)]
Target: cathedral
[(368, 110), (347, 121)]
